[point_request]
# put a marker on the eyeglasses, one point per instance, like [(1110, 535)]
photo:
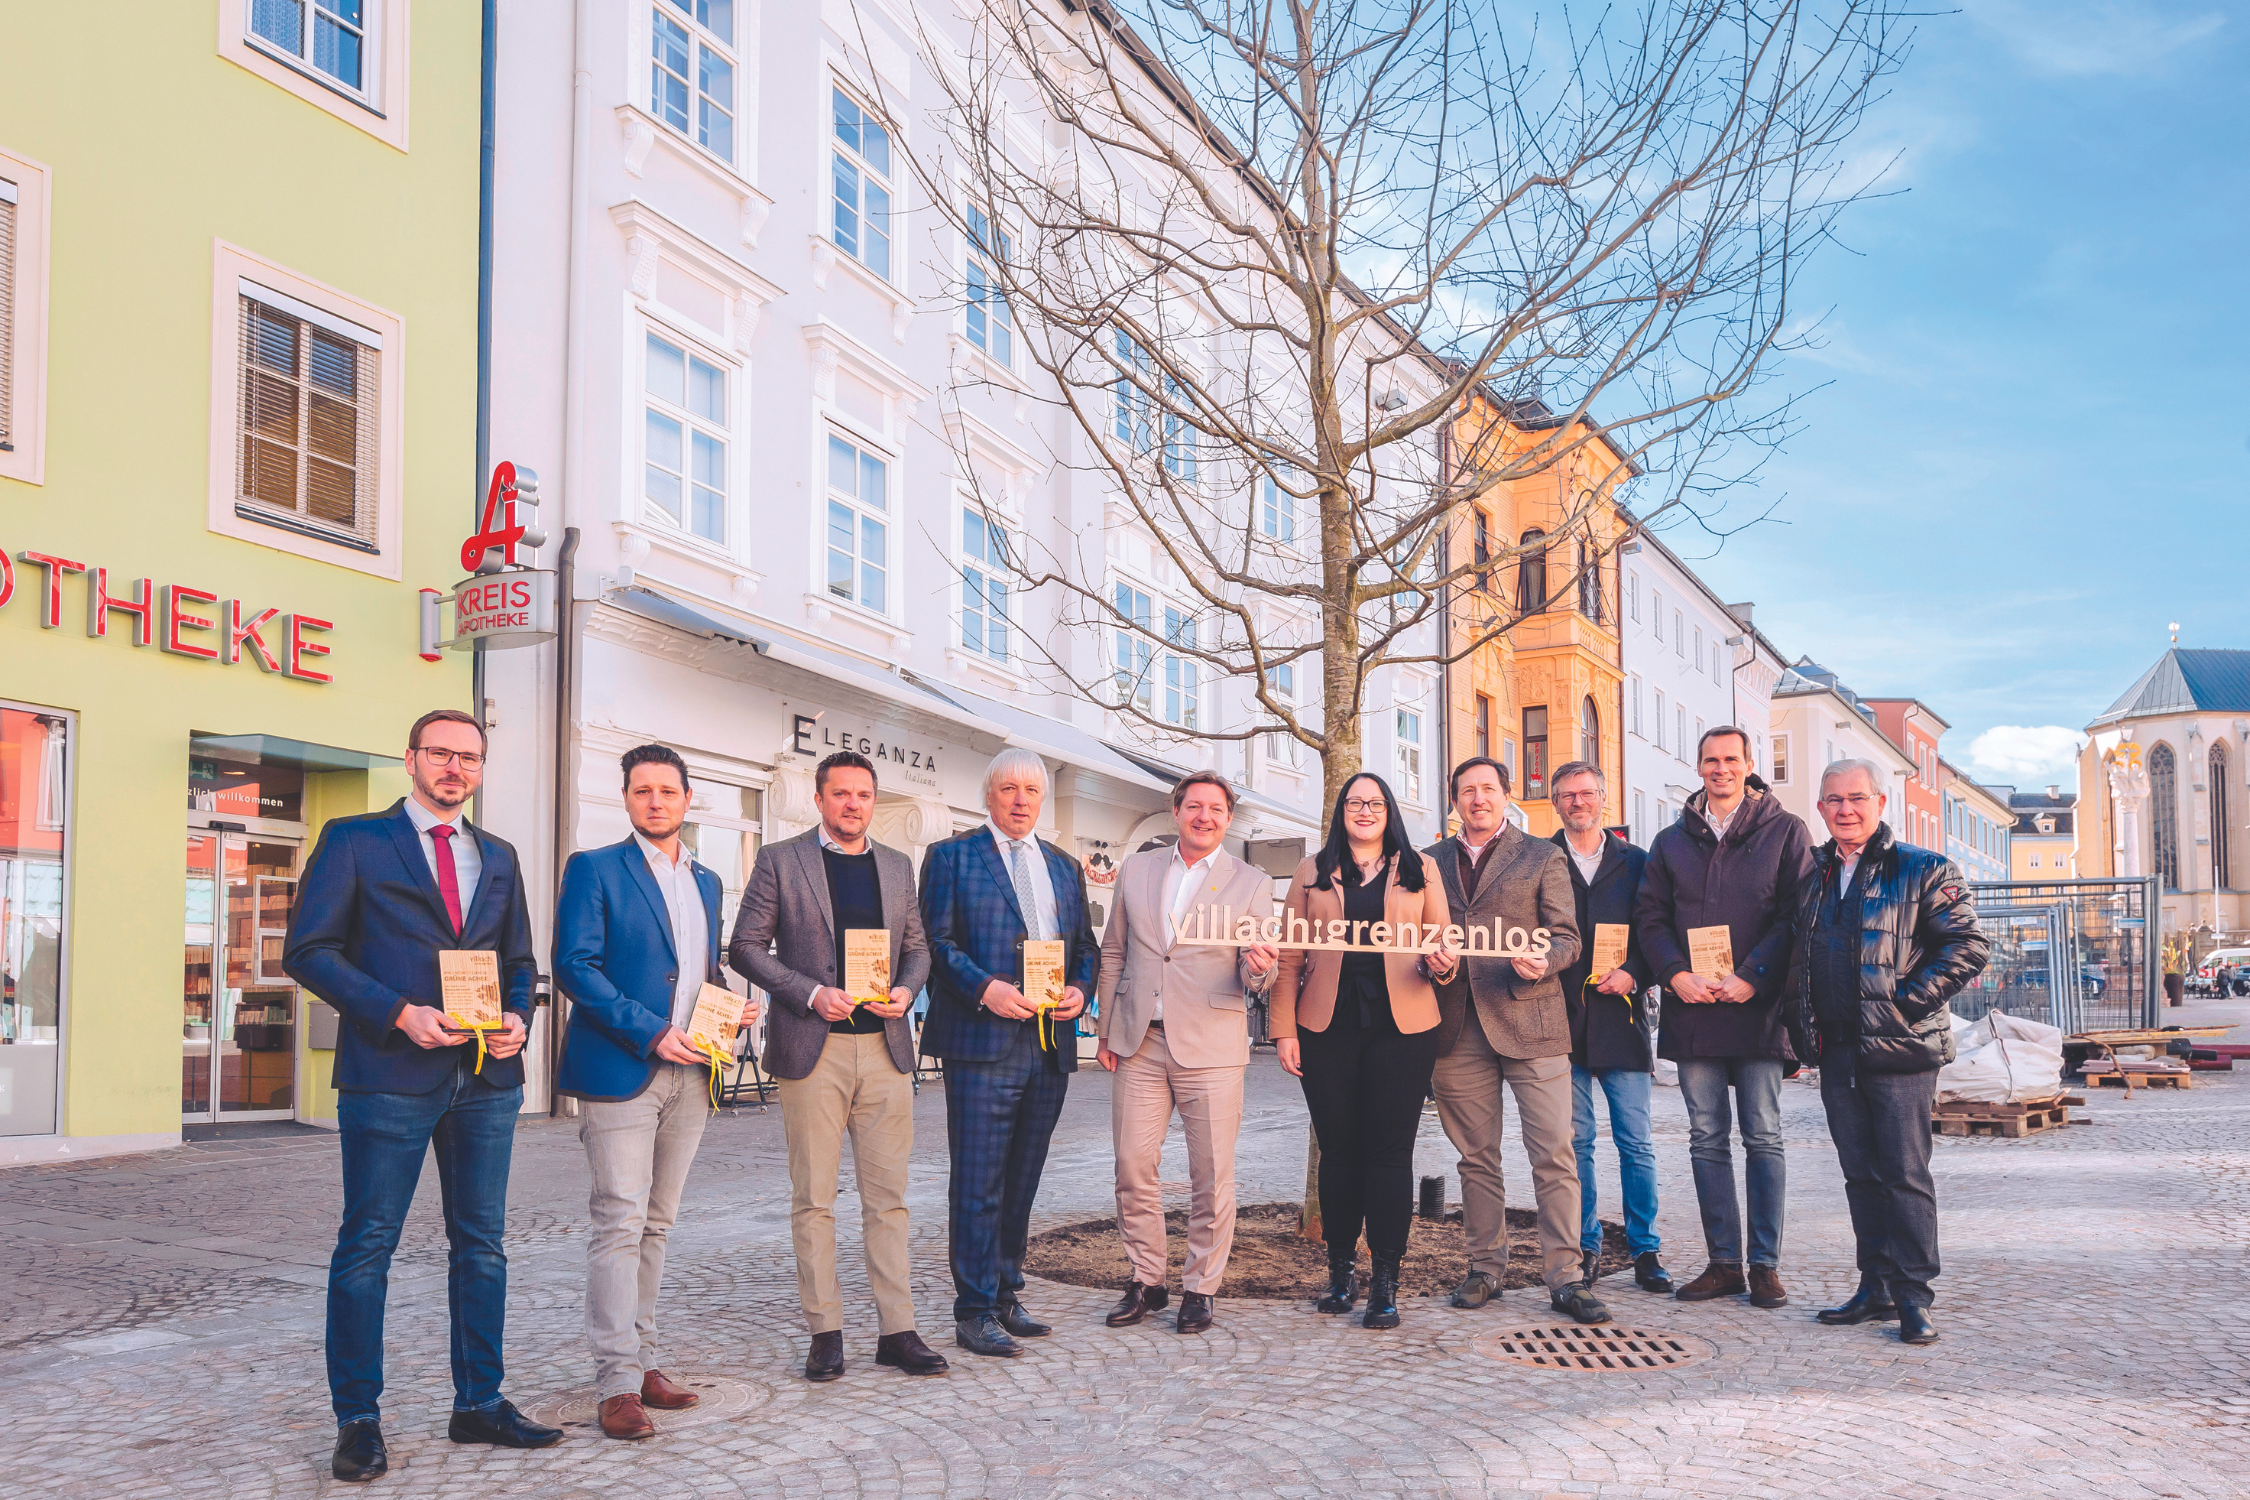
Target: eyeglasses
[(1364, 805), (1586, 796), (1857, 802), (469, 759)]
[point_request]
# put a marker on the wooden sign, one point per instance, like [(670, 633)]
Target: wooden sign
[(1710, 952), (1611, 940), (1043, 961), (867, 964), (470, 979), (1222, 927)]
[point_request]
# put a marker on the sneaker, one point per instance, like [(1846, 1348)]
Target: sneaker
[(1476, 1289), (1577, 1300)]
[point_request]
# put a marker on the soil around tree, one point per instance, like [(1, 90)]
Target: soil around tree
[(1270, 1260)]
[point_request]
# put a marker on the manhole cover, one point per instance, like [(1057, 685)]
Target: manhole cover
[(578, 1410), (1597, 1348)]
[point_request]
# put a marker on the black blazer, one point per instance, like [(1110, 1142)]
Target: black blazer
[(1608, 1031)]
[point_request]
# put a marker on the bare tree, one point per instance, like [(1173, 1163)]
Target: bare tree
[(1266, 254)]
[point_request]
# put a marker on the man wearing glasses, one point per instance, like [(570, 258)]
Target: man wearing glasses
[(383, 896), (1886, 935)]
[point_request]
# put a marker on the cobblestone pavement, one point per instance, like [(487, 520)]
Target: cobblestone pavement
[(160, 1335)]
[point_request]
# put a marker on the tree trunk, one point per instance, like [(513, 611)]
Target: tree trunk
[(1308, 1218)]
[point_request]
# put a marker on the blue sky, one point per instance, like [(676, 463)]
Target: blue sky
[(2030, 452)]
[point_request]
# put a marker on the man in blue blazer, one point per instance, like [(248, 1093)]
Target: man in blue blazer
[(636, 940), (983, 894), (384, 894)]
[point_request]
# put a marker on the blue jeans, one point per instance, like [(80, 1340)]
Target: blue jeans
[(1627, 1092), (1756, 1082), (472, 1127)]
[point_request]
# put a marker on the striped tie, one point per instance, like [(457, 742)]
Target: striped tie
[(1019, 870)]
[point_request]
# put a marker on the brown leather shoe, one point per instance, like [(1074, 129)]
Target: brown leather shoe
[(1138, 1302), (824, 1361), (1721, 1278), (657, 1390), (624, 1417), (1195, 1313), (1766, 1289), (906, 1351)]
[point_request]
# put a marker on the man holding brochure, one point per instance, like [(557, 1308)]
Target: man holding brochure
[(830, 929), (1713, 918), (1173, 1029), (387, 901), (637, 950)]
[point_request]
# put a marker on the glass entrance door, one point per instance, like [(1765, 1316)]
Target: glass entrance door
[(238, 1034)]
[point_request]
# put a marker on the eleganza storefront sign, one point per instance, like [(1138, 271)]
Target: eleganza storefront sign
[(811, 737), (176, 617)]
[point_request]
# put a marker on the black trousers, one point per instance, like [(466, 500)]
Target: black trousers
[(1364, 1088), (1880, 1123)]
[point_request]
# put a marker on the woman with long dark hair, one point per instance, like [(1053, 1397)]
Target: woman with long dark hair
[(1360, 1030)]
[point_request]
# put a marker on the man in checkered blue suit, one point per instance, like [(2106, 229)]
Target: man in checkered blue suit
[(983, 894)]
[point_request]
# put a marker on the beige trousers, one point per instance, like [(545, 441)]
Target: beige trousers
[(639, 1151), (855, 1088), (1467, 1084), (1148, 1087)]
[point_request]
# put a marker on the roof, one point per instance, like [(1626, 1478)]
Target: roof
[(2021, 801), (1809, 676), (2027, 826), (2206, 681), (1942, 723)]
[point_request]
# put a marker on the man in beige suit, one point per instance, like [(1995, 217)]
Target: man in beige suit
[(1172, 1028), (1503, 1021)]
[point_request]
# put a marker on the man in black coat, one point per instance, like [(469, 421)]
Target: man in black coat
[(1609, 1032), (1721, 879), (1885, 935)]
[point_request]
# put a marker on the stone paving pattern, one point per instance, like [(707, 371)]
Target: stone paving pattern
[(160, 1335)]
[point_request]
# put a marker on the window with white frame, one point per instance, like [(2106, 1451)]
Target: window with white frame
[(1660, 718), (1715, 663), (1157, 676), (1679, 635), (860, 178), (1409, 734), (1277, 511), (1181, 439), (1134, 657), (1698, 648), (1679, 726), (991, 324), (685, 466), (1182, 684), (1636, 681), (984, 585), (1641, 831), (692, 71), (1133, 411), (309, 427), (328, 37), (1656, 613), (1284, 748), (859, 505), (1633, 587)]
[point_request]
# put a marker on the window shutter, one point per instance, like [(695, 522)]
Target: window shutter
[(7, 314), (310, 424)]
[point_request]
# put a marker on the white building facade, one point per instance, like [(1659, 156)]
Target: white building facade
[(798, 449), (1818, 721)]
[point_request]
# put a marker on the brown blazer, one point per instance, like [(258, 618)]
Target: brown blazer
[(1525, 883), (1304, 992), (1203, 989)]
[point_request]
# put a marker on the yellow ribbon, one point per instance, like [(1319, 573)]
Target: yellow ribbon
[(1588, 983), (1045, 1009), (716, 1056), (460, 1025)]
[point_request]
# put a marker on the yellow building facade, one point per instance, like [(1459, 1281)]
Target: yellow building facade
[(238, 379), (1539, 683)]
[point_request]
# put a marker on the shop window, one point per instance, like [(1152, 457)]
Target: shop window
[(1535, 753), (34, 814), (991, 323), (685, 465), (725, 827), (984, 585), (1408, 732), (309, 427), (860, 173), (23, 318), (692, 71), (858, 525)]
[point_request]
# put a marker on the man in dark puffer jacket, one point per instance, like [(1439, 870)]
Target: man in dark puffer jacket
[(1885, 935)]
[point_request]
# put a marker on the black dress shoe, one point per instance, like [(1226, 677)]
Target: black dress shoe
[(503, 1427), (360, 1454), (1914, 1325), (1649, 1274), (1139, 1301), (1195, 1313), (1022, 1324), (1865, 1306), (824, 1361), (983, 1334), (906, 1351)]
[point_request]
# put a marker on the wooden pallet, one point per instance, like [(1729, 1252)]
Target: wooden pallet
[(2009, 1121), (2136, 1079)]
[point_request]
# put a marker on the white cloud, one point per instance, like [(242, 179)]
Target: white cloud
[(2027, 755), (2115, 37)]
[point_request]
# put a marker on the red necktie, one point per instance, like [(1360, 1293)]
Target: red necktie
[(448, 882)]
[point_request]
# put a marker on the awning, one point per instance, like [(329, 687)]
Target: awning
[(665, 610), (273, 750), (1058, 740)]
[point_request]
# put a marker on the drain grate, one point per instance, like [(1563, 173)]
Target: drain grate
[(1597, 1348)]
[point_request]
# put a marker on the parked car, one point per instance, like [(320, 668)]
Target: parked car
[(2220, 973)]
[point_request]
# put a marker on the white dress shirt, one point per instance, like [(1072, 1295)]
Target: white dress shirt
[(1183, 882), (1589, 865), (691, 938), (1042, 884), (1719, 825), (468, 859)]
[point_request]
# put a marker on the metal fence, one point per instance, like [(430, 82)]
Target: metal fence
[(2072, 953)]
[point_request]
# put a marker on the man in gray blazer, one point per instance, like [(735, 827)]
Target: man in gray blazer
[(1174, 1030), (1503, 1021), (843, 1061)]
